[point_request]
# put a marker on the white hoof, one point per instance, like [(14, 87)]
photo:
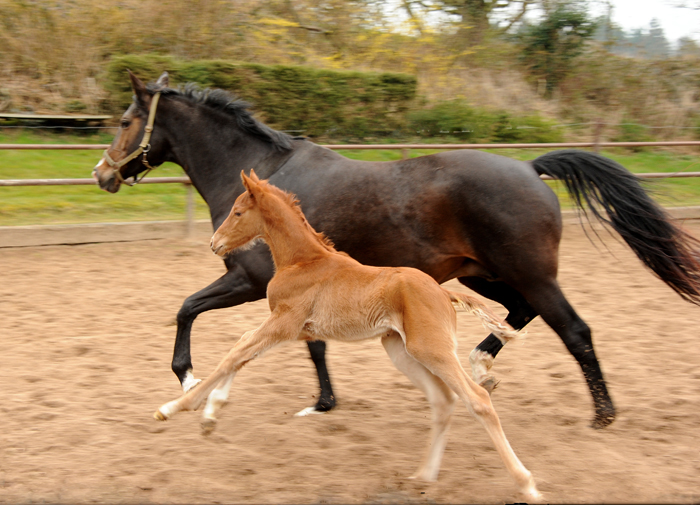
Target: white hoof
[(307, 412), (166, 411), (423, 477), (530, 491)]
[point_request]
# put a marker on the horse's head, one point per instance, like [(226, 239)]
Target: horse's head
[(245, 223), (137, 145)]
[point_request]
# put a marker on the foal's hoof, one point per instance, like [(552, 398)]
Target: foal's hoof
[(489, 383), (159, 416), (166, 411), (208, 425), (423, 477)]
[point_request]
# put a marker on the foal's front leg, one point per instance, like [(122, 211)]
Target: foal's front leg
[(217, 399), (273, 331)]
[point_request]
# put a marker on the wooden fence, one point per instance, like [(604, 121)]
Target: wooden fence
[(404, 148)]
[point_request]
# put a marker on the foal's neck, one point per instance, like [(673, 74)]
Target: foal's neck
[(290, 237)]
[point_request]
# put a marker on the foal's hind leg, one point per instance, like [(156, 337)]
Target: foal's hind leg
[(441, 399), (437, 355)]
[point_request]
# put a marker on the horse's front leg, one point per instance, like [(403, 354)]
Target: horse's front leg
[(326, 400), (233, 288)]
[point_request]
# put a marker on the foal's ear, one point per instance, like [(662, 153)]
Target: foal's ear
[(143, 99), (250, 183)]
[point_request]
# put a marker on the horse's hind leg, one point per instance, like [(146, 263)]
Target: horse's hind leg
[(441, 401), (556, 311), (520, 313), (437, 355)]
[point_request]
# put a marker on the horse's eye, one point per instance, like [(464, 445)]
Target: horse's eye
[(125, 123), (237, 214)]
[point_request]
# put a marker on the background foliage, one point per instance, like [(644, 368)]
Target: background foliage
[(315, 101), (557, 65)]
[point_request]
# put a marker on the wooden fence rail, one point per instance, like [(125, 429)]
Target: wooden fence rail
[(404, 148)]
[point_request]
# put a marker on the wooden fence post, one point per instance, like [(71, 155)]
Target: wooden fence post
[(189, 211), (597, 133)]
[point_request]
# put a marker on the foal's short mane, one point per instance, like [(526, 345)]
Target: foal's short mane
[(229, 103), (290, 200)]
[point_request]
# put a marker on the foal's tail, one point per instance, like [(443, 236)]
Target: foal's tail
[(500, 329), (670, 252)]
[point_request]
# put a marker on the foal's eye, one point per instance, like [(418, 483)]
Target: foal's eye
[(237, 214)]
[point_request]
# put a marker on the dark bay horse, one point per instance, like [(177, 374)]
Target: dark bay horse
[(487, 220)]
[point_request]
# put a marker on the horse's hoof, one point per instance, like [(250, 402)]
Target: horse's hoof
[(208, 426), (600, 422), (322, 406), (489, 383), (308, 411)]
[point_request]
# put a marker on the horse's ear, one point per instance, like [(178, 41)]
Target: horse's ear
[(143, 99), (164, 80), (254, 176)]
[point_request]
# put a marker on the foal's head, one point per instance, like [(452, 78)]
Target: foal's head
[(245, 223), (262, 208)]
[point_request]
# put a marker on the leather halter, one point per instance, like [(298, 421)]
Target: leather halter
[(143, 148)]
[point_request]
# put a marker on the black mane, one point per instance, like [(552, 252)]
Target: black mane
[(229, 103)]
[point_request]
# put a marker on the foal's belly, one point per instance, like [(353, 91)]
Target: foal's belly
[(341, 331)]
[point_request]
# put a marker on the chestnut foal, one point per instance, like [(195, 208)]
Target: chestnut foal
[(320, 293)]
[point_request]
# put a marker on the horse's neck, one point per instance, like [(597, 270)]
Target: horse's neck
[(213, 156), (291, 239)]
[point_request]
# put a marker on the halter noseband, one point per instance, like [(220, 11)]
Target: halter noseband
[(143, 148)]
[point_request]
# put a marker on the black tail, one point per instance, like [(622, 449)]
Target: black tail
[(666, 249)]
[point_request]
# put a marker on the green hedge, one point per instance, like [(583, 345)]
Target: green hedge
[(457, 120), (319, 102)]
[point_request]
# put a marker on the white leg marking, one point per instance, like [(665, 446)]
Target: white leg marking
[(218, 397), (165, 411), (308, 411), (481, 362), (189, 381)]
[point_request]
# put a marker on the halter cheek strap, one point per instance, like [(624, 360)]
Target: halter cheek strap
[(143, 148)]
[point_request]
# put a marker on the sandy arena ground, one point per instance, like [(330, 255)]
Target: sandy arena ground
[(87, 336)]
